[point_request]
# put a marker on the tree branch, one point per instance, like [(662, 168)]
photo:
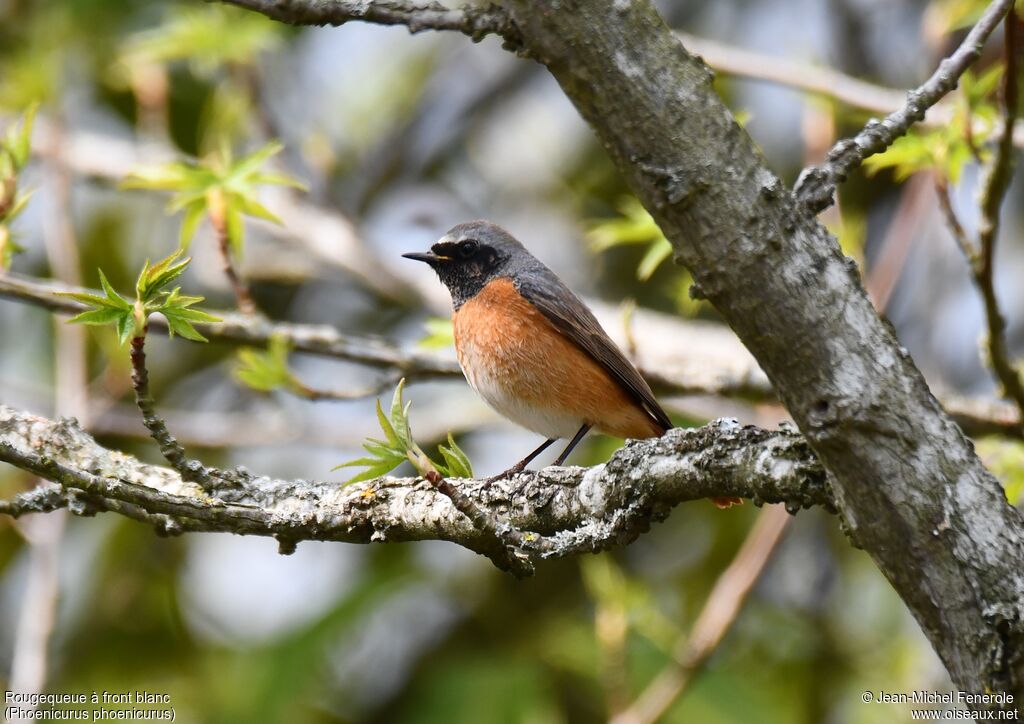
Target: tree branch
[(255, 330), (910, 487), (821, 81), (994, 189), (476, 22), (817, 184), (566, 511), (677, 356)]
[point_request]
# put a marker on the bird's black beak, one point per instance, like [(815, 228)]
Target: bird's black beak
[(428, 257)]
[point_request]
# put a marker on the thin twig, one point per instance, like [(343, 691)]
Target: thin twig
[(255, 330), (816, 186), (317, 394), (190, 470), (956, 229), (218, 219), (714, 621), (980, 254), (994, 189)]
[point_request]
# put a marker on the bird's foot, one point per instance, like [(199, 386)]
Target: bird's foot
[(511, 472)]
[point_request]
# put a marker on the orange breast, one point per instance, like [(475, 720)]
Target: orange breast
[(532, 374)]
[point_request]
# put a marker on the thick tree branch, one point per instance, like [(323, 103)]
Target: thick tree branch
[(476, 22), (565, 511), (817, 184), (910, 488)]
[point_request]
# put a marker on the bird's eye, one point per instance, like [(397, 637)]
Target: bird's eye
[(467, 248)]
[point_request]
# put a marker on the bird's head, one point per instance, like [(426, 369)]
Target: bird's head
[(472, 254)]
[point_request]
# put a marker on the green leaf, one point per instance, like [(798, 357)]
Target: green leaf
[(19, 205), (208, 37), (440, 333), (399, 446), (372, 471), (8, 247), (194, 212), (180, 315), (245, 167), (252, 207), (388, 429), (104, 315), (400, 416), (1005, 458), (634, 226), (265, 370), (18, 141), (277, 179), (456, 462), (113, 298), (657, 252), (173, 176), (154, 278), (125, 328)]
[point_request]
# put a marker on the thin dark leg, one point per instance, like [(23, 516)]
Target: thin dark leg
[(521, 465), (572, 443)]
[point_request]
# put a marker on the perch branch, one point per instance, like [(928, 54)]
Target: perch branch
[(563, 511)]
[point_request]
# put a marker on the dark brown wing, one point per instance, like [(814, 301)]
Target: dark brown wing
[(570, 316)]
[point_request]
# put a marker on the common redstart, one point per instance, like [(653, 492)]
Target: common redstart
[(532, 350)]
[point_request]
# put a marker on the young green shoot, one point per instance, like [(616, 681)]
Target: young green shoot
[(131, 320), (399, 446)]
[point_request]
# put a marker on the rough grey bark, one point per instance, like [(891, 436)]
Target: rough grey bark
[(564, 511), (907, 482)]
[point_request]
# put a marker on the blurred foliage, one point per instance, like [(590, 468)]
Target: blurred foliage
[(440, 334), (267, 370), (14, 155), (635, 226), (208, 37), (1005, 458), (399, 446), (218, 188)]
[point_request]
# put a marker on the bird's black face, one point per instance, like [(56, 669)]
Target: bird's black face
[(466, 259)]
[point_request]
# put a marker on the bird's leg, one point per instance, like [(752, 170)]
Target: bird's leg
[(572, 443), (521, 465)]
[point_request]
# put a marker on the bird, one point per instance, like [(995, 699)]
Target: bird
[(533, 350)]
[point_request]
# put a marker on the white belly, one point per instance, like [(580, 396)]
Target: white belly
[(494, 387)]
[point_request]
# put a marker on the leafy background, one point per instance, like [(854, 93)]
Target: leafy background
[(406, 136)]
